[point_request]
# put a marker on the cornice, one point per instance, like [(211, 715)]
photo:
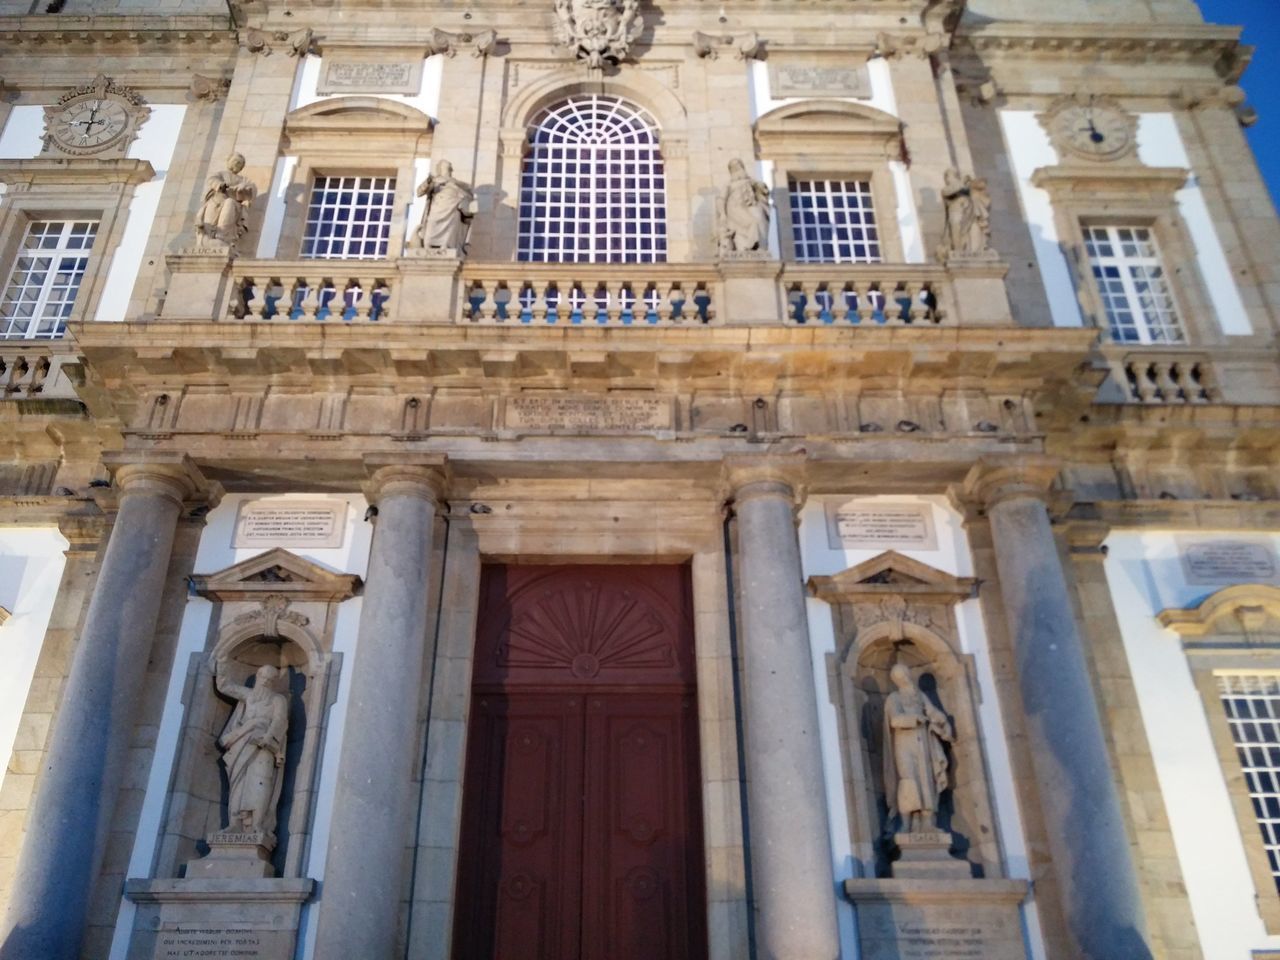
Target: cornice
[(21, 174), (110, 35)]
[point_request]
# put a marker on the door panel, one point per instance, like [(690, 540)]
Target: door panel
[(581, 827)]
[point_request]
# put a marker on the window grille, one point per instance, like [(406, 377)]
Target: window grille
[(45, 278), (833, 221), (349, 218), (592, 187), (1131, 280), (1252, 702)]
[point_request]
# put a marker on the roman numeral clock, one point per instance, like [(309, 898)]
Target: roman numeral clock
[(99, 119)]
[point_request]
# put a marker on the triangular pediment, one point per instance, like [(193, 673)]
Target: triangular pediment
[(893, 574), (276, 571)]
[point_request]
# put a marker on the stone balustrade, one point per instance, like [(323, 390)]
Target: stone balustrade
[(590, 294), (866, 294), (34, 371), (351, 291), (1167, 378)]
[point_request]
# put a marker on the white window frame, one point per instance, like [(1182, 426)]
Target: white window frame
[(343, 214), (1151, 321), (832, 194), (1259, 759), (71, 244), (598, 155)]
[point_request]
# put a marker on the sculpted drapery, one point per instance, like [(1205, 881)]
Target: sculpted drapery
[(915, 761), (744, 212), (254, 747)]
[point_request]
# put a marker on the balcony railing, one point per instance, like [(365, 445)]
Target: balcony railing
[(866, 294), (316, 290), (35, 370), (1167, 378)]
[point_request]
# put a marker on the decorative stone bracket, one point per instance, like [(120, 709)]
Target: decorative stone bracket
[(746, 46)]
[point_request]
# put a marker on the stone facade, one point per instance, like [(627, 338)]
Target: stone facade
[(990, 395)]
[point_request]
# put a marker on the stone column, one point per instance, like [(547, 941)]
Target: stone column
[(1078, 794), (371, 831), (793, 881), (62, 849)]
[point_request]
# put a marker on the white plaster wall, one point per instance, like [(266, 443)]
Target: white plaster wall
[(273, 216), (951, 555), (31, 561), (1159, 145), (882, 98), (22, 136), (213, 554), (1146, 576)]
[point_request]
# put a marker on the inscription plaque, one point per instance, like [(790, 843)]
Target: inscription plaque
[(868, 526), (584, 414), (819, 80), (1228, 561), (290, 523), (191, 943), (366, 76)]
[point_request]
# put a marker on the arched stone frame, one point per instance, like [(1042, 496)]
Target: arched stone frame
[(1234, 630), (635, 86), (358, 135), (275, 608), (834, 139), (894, 608)]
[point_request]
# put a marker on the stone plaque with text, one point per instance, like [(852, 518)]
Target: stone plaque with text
[(819, 80), (290, 523), (1229, 561), (938, 919), (589, 414), (189, 943), (880, 526), (370, 76)]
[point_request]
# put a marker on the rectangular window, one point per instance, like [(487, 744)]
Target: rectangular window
[(833, 221), (1252, 702), (349, 218), (45, 278), (1132, 283)]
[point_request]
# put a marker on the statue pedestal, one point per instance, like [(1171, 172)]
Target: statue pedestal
[(198, 286), (430, 287), (930, 919), (234, 855), (927, 855), (981, 298), (751, 289), (253, 918)]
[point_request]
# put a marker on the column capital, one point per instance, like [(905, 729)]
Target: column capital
[(776, 474), (425, 476), (170, 474), (993, 480)]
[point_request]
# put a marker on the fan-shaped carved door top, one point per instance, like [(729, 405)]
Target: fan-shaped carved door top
[(585, 625)]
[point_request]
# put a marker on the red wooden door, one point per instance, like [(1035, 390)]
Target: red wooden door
[(581, 830)]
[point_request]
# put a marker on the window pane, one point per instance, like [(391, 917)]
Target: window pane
[(349, 218), (1252, 705), (833, 221), (42, 286), (1132, 284)]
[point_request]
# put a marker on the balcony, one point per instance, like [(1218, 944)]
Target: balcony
[(440, 290), (38, 370), (1178, 376)]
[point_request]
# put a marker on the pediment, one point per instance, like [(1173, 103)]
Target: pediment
[(831, 124), (277, 571), (1243, 610), (893, 574), (355, 120)]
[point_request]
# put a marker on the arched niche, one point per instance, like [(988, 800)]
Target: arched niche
[(894, 609), (275, 609)]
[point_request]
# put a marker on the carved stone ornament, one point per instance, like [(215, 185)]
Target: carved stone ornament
[(480, 44), (598, 31), (967, 234), (1091, 127), (223, 217), (99, 118), (253, 745), (296, 43), (746, 46), (743, 213), (209, 88), (446, 218)]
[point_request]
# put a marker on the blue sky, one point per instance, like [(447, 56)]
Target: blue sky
[(1261, 21)]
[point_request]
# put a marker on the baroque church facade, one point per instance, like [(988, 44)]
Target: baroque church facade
[(612, 480)]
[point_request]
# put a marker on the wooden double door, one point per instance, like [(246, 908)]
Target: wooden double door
[(581, 827)]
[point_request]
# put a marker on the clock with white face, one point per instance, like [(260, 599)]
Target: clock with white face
[(98, 118), (1092, 128)]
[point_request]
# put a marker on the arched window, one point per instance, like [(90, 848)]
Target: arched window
[(592, 189)]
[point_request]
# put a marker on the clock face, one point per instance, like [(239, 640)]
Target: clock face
[(90, 124), (1097, 132)]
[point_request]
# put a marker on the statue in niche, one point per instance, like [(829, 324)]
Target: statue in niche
[(223, 217), (968, 227), (743, 209), (915, 760), (254, 743), (449, 209), (598, 30)]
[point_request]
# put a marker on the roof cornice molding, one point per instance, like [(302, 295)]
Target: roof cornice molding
[(114, 34)]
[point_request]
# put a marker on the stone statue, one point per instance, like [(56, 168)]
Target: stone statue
[(253, 743), (915, 763), (598, 30), (448, 211), (968, 229), (223, 216), (743, 209)]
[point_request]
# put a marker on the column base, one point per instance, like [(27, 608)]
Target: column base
[(926, 919), (249, 919)]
